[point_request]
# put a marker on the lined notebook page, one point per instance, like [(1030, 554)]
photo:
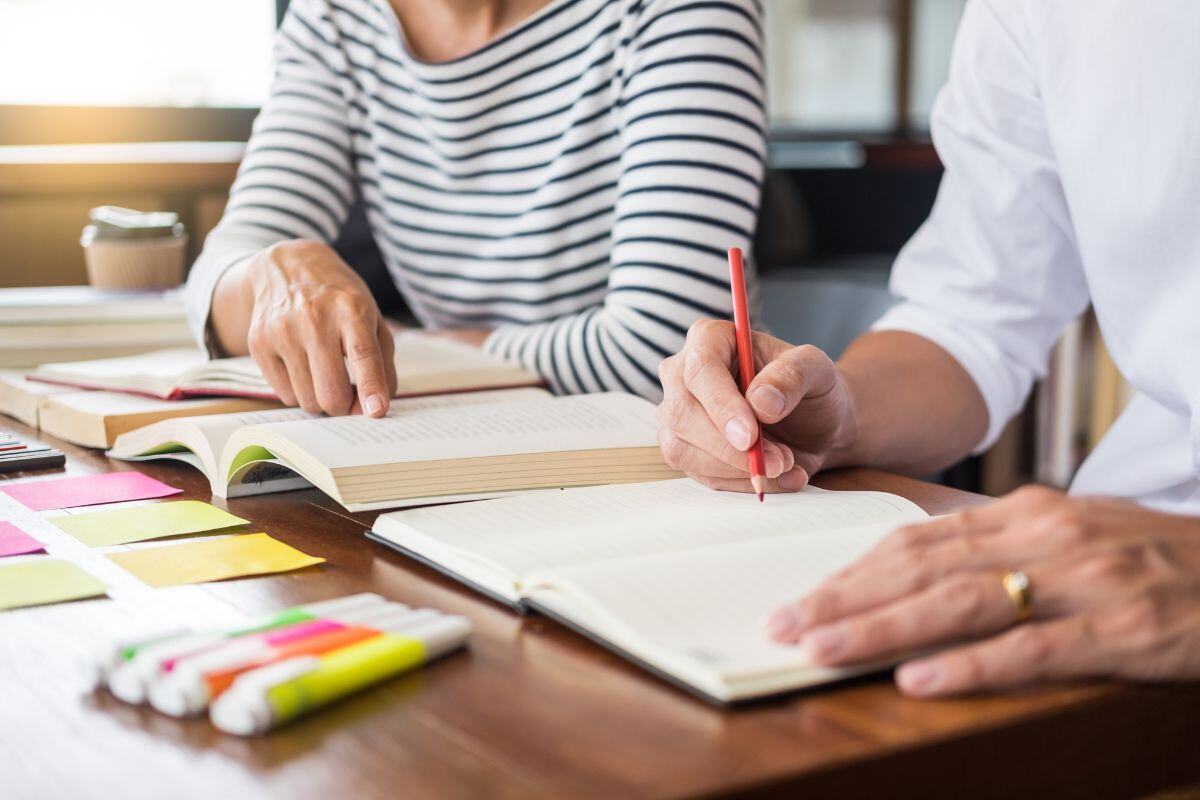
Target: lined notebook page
[(471, 429), (586, 526), (707, 606)]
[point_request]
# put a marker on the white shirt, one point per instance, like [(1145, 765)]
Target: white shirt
[(1070, 131)]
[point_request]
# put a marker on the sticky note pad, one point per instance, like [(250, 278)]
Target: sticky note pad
[(87, 490), (213, 560), (125, 525), (45, 580), (16, 542)]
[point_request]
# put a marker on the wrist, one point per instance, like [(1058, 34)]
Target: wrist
[(294, 261), (846, 450)]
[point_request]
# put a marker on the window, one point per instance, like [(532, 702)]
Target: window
[(857, 65), (135, 52)]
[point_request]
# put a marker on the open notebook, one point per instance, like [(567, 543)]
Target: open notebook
[(672, 575), (433, 449), (424, 365)]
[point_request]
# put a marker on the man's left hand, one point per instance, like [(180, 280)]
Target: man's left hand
[(1115, 592)]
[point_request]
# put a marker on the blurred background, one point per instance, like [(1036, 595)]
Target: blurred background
[(128, 106)]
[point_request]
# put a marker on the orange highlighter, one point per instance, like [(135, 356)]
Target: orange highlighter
[(745, 352)]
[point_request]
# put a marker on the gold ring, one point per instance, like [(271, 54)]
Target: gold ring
[(1020, 593)]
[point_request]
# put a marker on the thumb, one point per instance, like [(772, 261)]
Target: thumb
[(786, 379)]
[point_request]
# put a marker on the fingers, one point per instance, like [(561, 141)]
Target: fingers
[(276, 374), (368, 366), (1014, 509), (387, 342), (965, 606), (331, 385), (1065, 648), (880, 578), (295, 361), (971, 521), (695, 461), (796, 374), (691, 442), (707, 362)]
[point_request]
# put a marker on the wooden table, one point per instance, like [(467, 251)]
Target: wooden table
[(533, 710)]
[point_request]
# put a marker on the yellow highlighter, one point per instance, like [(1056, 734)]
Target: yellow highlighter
[(273, 695)]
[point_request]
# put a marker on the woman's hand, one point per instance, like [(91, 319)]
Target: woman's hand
[(1115, 592), (313, 317), (706, 425)]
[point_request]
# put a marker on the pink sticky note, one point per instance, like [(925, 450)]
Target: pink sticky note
[(16, 542), (88, 490)]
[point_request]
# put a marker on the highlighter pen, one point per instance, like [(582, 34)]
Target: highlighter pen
[(271, 696), (136, 678), (129, 681), (190, 688), (115, 655), (191, 667)]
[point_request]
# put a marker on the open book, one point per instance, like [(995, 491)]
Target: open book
[(671, 575), (424, 365), (431, 449)]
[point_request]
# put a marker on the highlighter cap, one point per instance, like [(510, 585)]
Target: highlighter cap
[(243, 709)]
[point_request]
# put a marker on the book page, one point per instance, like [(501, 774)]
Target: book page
[(479, 424), (217, 428), (419, 354), (156, 372), (424, 364), (521, 535), (232, 374), (707, 606), (107, 404)]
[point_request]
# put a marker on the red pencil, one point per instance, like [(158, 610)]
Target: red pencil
[(741, 325)]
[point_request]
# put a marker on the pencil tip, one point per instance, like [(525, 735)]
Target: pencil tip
[(759, 484)]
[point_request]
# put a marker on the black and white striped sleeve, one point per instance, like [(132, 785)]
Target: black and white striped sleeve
[(692, 124), (296, 179)]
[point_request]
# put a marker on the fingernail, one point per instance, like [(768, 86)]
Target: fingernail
[(738, 434), (919, 677), (768, 400), (782, 625), (373, 405), (823, 644), (773, 462), (793, 480)]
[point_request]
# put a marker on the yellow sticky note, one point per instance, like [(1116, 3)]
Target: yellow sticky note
[(45, 580), (137, 524), (213, 560)]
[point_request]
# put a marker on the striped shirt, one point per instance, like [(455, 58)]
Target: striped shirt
[(572, 186)]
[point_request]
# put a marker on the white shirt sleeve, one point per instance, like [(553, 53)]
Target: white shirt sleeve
[(994, 276)]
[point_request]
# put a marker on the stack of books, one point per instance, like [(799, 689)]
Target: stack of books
[(70, 323), (93, 402)]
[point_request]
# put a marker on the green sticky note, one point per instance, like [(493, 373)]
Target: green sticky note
[(138, 524), (45, 580)]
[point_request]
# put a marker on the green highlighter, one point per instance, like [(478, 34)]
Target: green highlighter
[(268, 697)]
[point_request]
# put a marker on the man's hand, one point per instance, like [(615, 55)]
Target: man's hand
[(312, 316), (706, 425), (1115, 587)]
